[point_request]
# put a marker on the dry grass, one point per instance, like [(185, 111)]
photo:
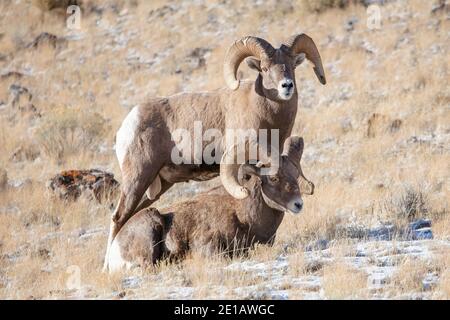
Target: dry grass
[(64, 132), (441, 225), (297, 264), (376, 136), (412, 273), (343, 282), (444, 284), (409, 276), (441, 266)]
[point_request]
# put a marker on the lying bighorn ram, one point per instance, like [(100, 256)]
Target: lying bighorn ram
[(217, 222), (144, 141)]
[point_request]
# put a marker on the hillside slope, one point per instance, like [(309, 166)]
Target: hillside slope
[(377, 146)]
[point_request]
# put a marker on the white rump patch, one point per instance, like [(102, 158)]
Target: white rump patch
[(125, 135), (115, 260)]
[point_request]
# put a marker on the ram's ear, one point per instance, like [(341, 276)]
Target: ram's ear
[(247, 170), (254, 64), (306, 186), (299, 59)]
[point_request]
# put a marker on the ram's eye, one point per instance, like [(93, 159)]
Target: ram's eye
[(274, 179), (288, 187)]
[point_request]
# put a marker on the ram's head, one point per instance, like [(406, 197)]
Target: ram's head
[(276, 66)]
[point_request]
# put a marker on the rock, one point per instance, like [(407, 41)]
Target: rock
[(417, 230), (419, 224), (11, 74), (320, 244), (420, 230), (19, 95), (161, 12), (440, 5), (93, 183), (48, 39), (48, 5), (422, 234), (382, 233), (20, 100), (197, 58)]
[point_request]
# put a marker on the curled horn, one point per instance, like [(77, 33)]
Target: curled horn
[(241, 49), (293, 150), (301, 43), (229, 172)]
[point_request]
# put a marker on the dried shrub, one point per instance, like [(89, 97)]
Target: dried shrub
[(69, 131), (409, 205)]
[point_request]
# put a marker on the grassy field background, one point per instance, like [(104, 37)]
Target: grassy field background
[(377, 144)]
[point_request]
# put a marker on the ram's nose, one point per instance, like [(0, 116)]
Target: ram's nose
[(287, 84), (286, 88), (296, 206)]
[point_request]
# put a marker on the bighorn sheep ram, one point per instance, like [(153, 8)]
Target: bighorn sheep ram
[(214, 222), (144, 142)]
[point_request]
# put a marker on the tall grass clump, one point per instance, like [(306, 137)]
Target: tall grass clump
[(408, 205), (68, 131)]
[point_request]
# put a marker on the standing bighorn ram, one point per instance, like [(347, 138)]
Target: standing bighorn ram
[(214, 222), (144, 141)]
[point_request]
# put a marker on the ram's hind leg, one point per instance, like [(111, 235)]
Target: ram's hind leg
[(137, 177)]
